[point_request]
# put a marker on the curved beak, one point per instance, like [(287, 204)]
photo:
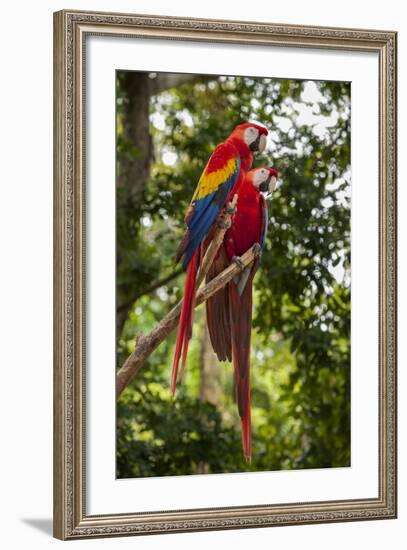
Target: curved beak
[(272, 183), (259, 144), (262, 143), (269, 185)]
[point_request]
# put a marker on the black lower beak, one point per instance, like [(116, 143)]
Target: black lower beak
[(264, 186), (254, 146)]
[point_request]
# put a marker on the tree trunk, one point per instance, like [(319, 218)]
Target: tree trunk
[(133, 164), (138, 89)]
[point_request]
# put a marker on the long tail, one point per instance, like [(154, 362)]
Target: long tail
[(240, 308), (186, 320), (217, 311)]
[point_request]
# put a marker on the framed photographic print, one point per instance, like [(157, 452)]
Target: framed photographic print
[(225, 274)]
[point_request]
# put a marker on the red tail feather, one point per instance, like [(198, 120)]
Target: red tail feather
[(247, 432), (240, 309), (243, 398), (186, 319)]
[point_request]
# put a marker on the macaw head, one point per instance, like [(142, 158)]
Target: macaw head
[(264, 178), (253, 135)]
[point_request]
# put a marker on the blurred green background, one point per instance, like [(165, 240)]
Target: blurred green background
[(167, 127)]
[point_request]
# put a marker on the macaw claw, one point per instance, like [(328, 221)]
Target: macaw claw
[(256, 248), (230, 209), (238, 261), (222, 222)]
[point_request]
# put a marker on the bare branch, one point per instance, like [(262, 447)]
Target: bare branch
[(145, 345), (166, 81), (150, 289), (223, 225)]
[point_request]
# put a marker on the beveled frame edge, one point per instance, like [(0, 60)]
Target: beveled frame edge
[(70, 519)]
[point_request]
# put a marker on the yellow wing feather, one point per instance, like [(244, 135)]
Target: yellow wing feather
[(208, 183)]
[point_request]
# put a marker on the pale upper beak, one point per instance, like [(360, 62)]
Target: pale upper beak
[(272, 184), (269, 185), (262, 143)]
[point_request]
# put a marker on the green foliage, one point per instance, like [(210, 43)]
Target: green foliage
[(301, 334), (160, 436)]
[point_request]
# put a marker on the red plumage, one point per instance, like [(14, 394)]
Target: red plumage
[(210, 197), (240, 312), (186, 318), (229, 311)]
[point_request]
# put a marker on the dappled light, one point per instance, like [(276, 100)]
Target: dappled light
[(300, 355)]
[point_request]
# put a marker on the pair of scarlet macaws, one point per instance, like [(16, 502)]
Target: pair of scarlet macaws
[(229, 311)]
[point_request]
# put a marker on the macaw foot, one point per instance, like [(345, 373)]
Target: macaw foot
[(230, 209), (222, 222), (238, 261), (256, 248)]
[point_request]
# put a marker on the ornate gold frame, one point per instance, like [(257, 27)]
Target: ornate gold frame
[(70, 31)]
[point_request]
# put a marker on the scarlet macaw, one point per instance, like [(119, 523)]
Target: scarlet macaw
[(223, 174), (229, 311)]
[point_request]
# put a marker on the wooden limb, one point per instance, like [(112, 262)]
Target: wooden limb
[(145, 345), (217, 240), (150, 289)]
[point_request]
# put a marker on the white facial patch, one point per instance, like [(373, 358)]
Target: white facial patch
[(260, 176), (250, 135)]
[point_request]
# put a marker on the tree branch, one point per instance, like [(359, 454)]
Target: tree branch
[(166, 81), (145, 345), (223, 224), (150, 289)]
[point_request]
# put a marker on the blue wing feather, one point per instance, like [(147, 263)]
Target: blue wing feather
[(205, 212)]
